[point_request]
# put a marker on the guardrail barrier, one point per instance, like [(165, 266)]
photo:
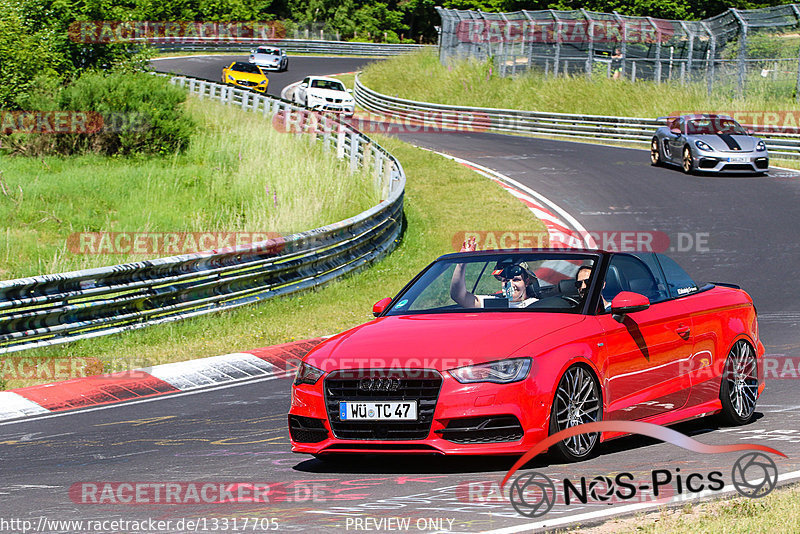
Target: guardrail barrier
[(636, 130), (59, 308)]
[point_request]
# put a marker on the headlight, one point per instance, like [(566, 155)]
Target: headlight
[(231, 78), (307, 374), (761, 146), (262, 83), (703, 146), (499, 372)]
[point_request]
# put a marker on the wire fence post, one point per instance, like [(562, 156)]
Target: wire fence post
[(740, 89), (590, 52)]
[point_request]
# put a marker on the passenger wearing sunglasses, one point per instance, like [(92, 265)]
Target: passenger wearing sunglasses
[(582, 283), (515, 279)]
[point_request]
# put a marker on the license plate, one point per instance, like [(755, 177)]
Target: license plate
[(378, 411), (743, 159)]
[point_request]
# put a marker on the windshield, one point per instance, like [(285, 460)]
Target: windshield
[(327, 84), (268, 51), (714, 126), (498, 282), (246, 67)]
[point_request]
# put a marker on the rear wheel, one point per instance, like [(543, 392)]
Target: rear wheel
[(655, 153), (577, 401), (739, 388), (688, 161)]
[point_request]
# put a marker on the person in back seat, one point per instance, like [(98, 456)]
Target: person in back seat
[(582, 283)]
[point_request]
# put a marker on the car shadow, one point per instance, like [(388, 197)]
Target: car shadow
[(377, 464)]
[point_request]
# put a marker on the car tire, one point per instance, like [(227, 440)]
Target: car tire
[(655, 154), (687, 162), (738, 390), (577, 400)]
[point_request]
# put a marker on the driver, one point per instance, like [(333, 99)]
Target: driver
[(514, 276)]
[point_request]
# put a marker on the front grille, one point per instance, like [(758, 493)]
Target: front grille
[(307, 429), (246, 83), (738, 167), (487, 429), (422, 385)]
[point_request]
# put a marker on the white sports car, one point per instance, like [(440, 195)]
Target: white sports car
[(268, 57), (325, 94)]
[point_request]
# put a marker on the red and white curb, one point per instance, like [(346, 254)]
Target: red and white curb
[(563, 229), (273, 361)]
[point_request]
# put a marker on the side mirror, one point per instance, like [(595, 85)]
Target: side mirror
[(628, 302), (350, 91), (750, 131), (381, 305), (676, 131)]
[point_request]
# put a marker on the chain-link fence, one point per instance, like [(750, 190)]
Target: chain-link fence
[(748, 52)]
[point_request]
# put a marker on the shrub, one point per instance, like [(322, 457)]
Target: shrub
[(127, 113)]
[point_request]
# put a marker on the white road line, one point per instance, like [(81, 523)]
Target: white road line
[(589, 241)]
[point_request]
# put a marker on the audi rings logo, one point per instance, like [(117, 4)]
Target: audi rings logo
[(532, 494), (379, 384), (755, 475)]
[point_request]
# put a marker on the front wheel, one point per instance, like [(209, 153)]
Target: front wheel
[(739, 388), (688, 162), (655, 153), (577, 401)]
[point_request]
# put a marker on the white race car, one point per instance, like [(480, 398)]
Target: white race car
[(268, 57), (325, 94)]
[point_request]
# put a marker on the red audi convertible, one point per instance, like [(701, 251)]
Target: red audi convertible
[(491, 352)]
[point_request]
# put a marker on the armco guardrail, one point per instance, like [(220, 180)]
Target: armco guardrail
[(58, 308), (604, 128), (292, 45)]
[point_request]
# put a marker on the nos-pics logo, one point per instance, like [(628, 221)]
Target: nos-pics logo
[(534, 494)]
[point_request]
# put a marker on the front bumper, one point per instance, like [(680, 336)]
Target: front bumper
[(731, 162), (249, 85), (466, 419)]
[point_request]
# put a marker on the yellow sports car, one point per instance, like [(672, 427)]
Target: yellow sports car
[(245, 75)]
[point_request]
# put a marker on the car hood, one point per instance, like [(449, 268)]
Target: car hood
[(728, 143), (239, 75), (269, 58), (437, 341), (329, 93)]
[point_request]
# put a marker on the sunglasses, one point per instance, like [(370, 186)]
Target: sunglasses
[(580, 283), (513, 272)]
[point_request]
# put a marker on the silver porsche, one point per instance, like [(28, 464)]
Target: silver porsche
[(709, 143), (269, 57)]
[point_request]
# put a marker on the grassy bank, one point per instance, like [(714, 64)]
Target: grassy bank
[(239, 175), (777, 512), (442, 198), (473, 83)]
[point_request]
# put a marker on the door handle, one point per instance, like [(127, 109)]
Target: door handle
[(683, 331)]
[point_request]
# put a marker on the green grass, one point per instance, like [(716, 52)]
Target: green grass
[(420, 76), (777, 512), (442, 199), (239, 175)]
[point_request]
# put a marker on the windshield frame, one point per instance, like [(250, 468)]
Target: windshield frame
[(598, 257)]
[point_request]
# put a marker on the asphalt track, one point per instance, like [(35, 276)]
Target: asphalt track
[(238, 434)]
